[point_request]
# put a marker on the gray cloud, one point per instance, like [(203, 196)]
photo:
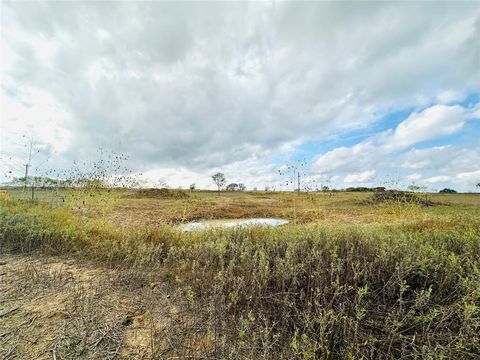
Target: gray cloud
[(206, 85)]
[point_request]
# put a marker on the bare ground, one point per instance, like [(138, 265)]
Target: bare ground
[(59, 308)]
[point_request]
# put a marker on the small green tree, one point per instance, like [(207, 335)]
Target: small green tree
[(219, 180), (414, 188)]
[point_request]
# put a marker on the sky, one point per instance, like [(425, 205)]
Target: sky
[(350, 93)]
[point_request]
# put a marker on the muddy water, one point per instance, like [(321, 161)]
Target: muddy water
[(231, 223)]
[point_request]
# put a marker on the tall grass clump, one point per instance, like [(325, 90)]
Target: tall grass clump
[(354, 293), (26, 228)]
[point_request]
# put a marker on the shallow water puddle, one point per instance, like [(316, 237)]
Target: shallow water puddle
[(231, 223)]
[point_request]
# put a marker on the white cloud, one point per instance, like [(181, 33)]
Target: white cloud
[(450, 96), (449, 159), (359, 156), (362, 177), (470, 178), (437, 179), (431, 123), (385, 152), (34, 112), (414, 177), (428, 158)]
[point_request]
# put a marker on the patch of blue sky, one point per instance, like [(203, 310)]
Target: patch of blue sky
[(469, 135), (387, 122), (470, 101), (312, 148)]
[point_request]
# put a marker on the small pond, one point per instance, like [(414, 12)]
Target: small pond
[(231, 223)]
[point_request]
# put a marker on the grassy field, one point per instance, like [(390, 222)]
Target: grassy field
[(102, 274)]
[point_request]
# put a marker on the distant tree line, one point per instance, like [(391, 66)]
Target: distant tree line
[(44, 182)]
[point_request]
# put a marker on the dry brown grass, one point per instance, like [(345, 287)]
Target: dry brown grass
[(341, 209), (303, 208), (58, 308), (5, 196)]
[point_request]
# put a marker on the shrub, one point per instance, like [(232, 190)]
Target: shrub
[(447, 191), (395, 196)]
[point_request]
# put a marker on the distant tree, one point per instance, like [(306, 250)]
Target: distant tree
[(358, 189), (414, 188), (192, 186), (232, 187), (219, 180), (478, 185), (241, 187), (325, 188), (255, 189), (447, 191)]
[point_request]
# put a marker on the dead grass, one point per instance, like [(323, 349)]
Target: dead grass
[(62, 308), (157, 193)]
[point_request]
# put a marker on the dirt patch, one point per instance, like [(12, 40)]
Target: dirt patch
[(64, 308)]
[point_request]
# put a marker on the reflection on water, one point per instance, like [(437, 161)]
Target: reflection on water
[(229, 223)]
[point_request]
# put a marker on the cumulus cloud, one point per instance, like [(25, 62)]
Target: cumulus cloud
[(437, 179), (201, 86), (448, 158), (382, 150), (414, 177), (468, 178), (431, 123), (362, 177)]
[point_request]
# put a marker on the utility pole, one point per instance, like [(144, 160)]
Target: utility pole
[(298, 183), (27, 165), (26, 174), (294, 178)]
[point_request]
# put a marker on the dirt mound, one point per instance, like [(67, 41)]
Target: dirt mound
[(395, 196), (160, 193)]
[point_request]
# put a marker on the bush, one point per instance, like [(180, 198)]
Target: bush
[(447, 191), (394, 196)]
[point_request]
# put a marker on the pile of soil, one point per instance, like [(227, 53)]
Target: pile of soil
[(159, 193), (395, 196)]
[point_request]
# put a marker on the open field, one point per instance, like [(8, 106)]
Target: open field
[(101, 274)]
